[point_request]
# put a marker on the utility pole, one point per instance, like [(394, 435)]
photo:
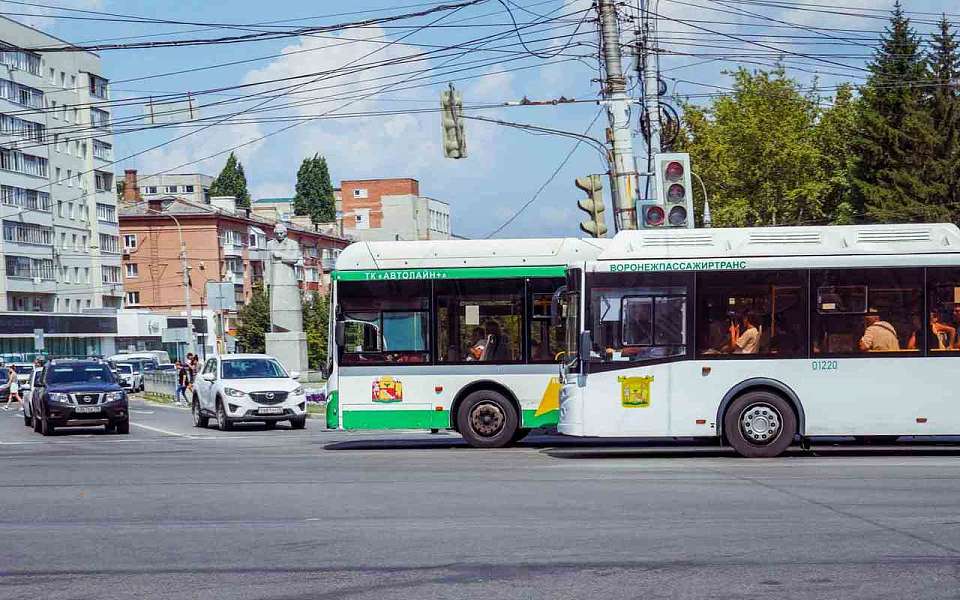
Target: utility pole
[(651, 84), (185, 265), (622, 167)]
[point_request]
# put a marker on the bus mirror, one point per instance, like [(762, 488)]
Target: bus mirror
[(555, 306), (340, 336), (326, 368), (586, 345)]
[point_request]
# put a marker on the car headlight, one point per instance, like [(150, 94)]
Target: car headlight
[(61, 398), (115, 396), (234, 393), (298, 391)]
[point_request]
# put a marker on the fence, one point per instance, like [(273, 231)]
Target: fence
[(160, 385)]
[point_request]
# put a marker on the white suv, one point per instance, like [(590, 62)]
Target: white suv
[(247, 388)]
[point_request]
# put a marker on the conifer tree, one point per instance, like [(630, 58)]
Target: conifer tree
[(314, 192), (232, 182), (944, 105)]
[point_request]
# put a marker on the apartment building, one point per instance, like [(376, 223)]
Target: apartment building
[(60, 243), (194, 187), (223, 244), (392, 209)]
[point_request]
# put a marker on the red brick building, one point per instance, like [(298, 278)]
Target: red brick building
[(391, 209)]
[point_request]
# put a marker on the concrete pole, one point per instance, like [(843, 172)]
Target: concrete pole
[(650, 72), (622, 169)]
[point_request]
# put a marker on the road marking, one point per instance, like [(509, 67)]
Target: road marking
[(164, 431), (142, 412)]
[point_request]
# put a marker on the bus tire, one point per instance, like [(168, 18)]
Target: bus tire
[(486, 419), (760, 424)]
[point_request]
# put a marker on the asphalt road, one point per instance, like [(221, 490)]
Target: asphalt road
[(175, 512)]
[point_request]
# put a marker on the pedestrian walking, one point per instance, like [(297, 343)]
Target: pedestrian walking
[(183, 383), (14, 388)]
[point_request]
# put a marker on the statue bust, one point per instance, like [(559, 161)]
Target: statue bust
[(286, 310)]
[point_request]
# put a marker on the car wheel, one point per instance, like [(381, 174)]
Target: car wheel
[(123, 427), (486, 419), (298, 422), (199, 419), (223, 421), (27, 419), (46, 427), (36, 423), (760, 424)]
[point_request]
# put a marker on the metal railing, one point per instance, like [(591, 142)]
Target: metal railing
[(162, 384)]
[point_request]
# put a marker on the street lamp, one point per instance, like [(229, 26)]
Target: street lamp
[(191, 343)]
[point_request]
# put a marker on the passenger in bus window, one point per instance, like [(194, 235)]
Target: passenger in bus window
[(497, 347), (878, 335), (944, 336), (478, 340), (956, 325), (745, 338)]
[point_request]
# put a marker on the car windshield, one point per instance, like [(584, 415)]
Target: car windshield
[(23, 369), (126, 369), (252, 368), (79, 374)]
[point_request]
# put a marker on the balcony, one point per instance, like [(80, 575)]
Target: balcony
[(233, 277), (231, 249)]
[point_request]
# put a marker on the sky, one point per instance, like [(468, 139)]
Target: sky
[(345, 96)]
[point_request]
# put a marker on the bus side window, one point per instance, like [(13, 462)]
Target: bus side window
[(859, 311), (943, 305)]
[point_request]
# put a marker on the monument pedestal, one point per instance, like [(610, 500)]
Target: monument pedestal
[(290, 348)]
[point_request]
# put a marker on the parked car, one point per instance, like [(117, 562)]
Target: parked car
[(167, 368), (128, 377), (27, 396), (247, 387), (78, 393)]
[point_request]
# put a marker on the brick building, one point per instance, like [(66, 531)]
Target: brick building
[(392, 209), (223, 244)]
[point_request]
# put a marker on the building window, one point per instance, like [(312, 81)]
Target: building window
[(71, 209), (133, 298), (150, 189), (99, 118), (24, 267), (360, 193), (103, 181), (21, 60), (21, 94), (130, 241), (133, 270), (187, 189), (27, 233), (170, 189), (70, 183), (76, 243), (98, 86), (102, 150), (28, 199), (109, 244), (110, 274), (108, 214), (10, 125), (20, 162)]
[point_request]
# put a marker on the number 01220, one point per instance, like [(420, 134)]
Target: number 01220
[(824, 365)]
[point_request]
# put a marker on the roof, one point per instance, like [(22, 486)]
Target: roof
[(468, 253), (273, 200), (784, 241), (233, 356), (177, 206)]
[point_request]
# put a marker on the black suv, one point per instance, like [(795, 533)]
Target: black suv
[(78, 393)]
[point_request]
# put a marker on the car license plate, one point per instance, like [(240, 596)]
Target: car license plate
[(271, 411), (87, 409)]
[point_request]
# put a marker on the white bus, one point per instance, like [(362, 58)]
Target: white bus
[(766, 336), (449, 335)]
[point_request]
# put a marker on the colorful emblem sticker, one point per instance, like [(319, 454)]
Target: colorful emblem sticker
[(387, 389), (635, 391)]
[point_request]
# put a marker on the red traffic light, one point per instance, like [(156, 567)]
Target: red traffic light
[(678, 216), (653, 216), (674, 171), (676, 192)]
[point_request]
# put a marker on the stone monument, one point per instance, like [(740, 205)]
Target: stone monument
[(286, 339)]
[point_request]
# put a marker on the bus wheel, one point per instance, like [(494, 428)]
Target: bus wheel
[(760, 424), (486, 419)]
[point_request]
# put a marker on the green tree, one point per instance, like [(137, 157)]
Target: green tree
[(943, 60), (834, 133), (896, 135), (314, 192), (757, 151), (232, 182), (254, 317), (316, 311)]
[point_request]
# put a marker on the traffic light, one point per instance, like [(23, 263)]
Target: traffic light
[(454, 138), (592, 205), (674, 199)]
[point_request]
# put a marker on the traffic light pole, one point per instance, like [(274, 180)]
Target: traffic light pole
[(622, 167), (650, 83)]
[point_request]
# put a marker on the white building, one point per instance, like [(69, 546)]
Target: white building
[(58, 204), (194, 187)]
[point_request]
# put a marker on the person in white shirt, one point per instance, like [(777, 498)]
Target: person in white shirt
[(747, 340)]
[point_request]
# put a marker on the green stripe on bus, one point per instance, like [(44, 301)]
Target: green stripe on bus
[(333, 410), (396, 419), (454, 273), (423, 419)]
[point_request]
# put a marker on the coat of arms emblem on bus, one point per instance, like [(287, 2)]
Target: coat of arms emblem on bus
[(387, 389), (635, 391)]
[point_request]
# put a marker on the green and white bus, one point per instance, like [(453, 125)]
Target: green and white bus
[(767, 336), (452, 334)]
